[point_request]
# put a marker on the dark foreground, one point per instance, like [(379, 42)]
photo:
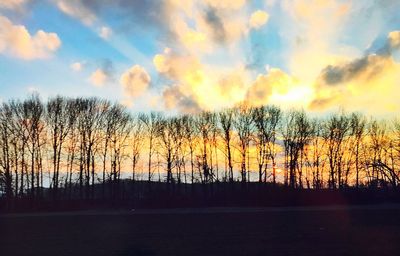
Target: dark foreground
[(365, 230)]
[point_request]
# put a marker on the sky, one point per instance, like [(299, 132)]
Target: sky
[(185, 56)]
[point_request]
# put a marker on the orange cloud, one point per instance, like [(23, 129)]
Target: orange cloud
[(17, 41), (361, 82), (98, 78), (135, 81)]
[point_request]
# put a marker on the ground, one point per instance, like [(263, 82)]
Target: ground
[(341, 230)]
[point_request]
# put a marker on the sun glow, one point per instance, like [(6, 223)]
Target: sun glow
[(300, 95)]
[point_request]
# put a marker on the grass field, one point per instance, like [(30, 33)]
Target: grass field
[(366, 230)]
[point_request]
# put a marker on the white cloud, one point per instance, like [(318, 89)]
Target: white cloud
[(135, 81), (105, 32), (258, 19), (76, 66), (17, 41)]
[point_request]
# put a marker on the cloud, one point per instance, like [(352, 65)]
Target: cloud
[(226, 4), (311, 31), (103, 75), (222, 25), (133, 15), (77, 9), (188, 24), (191, 39), (135, 81), (231, 87), (33, 89), (76, 66), (258, 19), (323, 102), (394, 39), (105, 32), (359, 77), (175, 99), (17, 41), (192, 85), (98, 78), (176, 66), (366, 67), (216, 25), (266, 85), (187, 76), (392, 44), (12, 4)]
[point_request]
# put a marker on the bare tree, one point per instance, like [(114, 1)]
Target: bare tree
[(335, 132), (358, 125), (152, 125), (226, 118), (137, 137), (266, 120), (316, 154), (243, 127), (33, 110), (59, 121), (6, 156), (191, 137), (203, 124), (296, 131), (120, 131)]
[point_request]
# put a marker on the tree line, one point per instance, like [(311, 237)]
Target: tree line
[(70, 146)]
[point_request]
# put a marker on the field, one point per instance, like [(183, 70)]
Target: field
[(334, 230)]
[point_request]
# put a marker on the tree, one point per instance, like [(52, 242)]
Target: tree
[(6, 150), (190, 135), (266, 120), (137, 137), (59, 120), (358, 125), (316, 154), (296, 132), (203, 125), (226, 123), (33, 111), (335, 132), (152, 125), (120, 130), (244, 129)]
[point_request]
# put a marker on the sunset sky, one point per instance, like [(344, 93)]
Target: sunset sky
[(186, 55)]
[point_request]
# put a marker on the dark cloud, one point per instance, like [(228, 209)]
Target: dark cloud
[(173, 98), (370, 64), (108, 67), (373, 63), (132, 15), (216, 24), (332, 75)]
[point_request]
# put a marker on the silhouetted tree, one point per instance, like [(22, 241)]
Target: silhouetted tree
[(59, 120), (244, 128), (226, 118), (152, 124)]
